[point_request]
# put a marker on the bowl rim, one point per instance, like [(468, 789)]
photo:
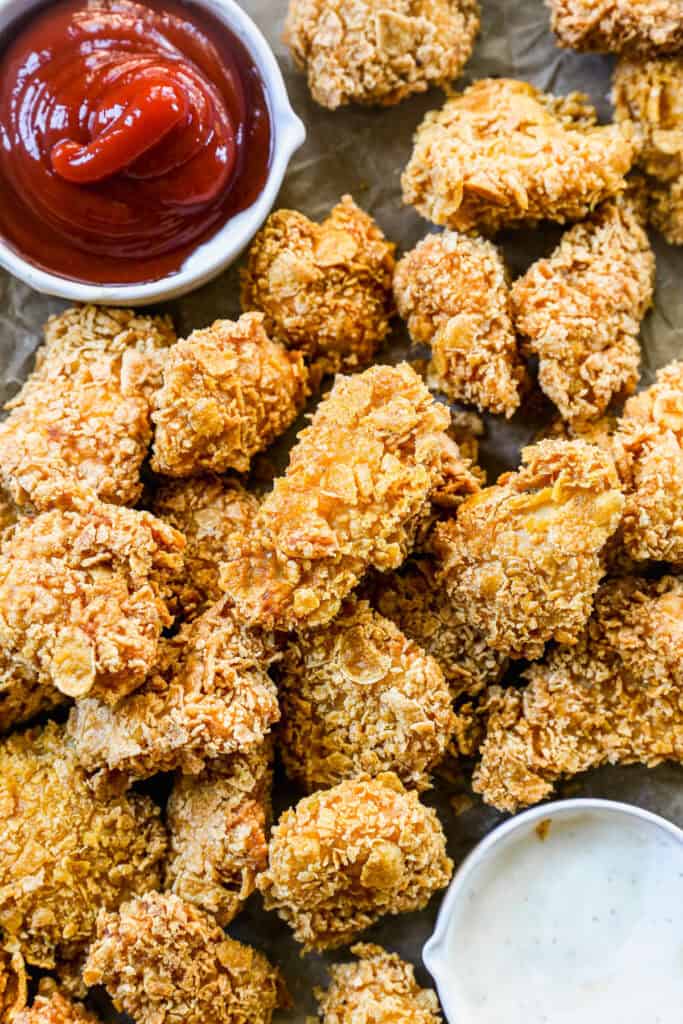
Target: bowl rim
[(214, 255)]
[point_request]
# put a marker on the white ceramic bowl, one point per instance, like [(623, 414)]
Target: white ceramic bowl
[(211, 258)]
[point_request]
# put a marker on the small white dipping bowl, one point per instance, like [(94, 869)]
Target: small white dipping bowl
[(213, 256)]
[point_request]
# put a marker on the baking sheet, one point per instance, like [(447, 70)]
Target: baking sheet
[(363, 152)]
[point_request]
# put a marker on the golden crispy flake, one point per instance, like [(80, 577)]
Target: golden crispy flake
[(502, 154), (13, 986), (54, 1007), (619, 26), (346, 856)]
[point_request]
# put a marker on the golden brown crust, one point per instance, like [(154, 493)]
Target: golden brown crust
[(54, 1007), (13, 987), (619, 26), (344, 857), (325, 289), (502, 154)]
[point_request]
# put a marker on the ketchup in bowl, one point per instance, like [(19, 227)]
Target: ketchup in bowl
[(129, 134)]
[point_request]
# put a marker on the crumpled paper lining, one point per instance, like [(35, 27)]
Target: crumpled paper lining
[(363, 152)]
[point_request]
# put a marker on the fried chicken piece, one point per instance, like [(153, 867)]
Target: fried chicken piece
[(325, 289), (614, 698), (81, 423), (643, 27), (13, 986), (206, 510), (580, 311), (217, 824), (522, 558), (210, 696), (228, 393), (162, 960), (379, 989), (54, 1007), (378, 52), (454, 292), (359, 698), (358, 484), (503, 154), (64, 852), (344, 857)]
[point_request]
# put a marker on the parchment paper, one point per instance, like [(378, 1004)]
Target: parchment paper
[(363, 152)]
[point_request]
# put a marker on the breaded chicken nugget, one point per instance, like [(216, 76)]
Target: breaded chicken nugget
[(344, 857), (581, 308), (379, 52), (522, 559), (13, 986), (614, 698), (53, 1007), (503, 154), (325, 289), (206, 510), (454, 292), (619, 26), (161, 960), (358, 484), (217, 824), (81, 423), (64, 852), (357, 698), (228, 393)]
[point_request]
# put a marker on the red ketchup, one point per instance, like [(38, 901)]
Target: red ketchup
[(129, 134)]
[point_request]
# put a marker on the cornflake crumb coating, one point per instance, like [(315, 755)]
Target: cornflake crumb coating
[(65, 853), (581, 309), (503, 154), (358, 697), (344, 857), (357, 488), (81, 424), (614, 698), (13, 985), (522, 558), (206, 510), (379, 988), (228, 393), (162, 960), (619, 26), (647, 96), (379, 52), (53, 1007), (325, 289), (218, 823), (454, 292)]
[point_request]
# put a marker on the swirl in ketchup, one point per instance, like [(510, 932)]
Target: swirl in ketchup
[(129, 134)]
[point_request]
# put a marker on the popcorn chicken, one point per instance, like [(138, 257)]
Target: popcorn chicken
[(522, 559), (379, 51), (619, 26), (502, 154), (161, 960), (581, 310), (345, 856), (81, 423), (454, 292), (53, 1007), (13, 986), (228, 393), (325, 289)]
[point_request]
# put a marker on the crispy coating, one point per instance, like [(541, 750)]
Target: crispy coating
[(81, 423), (344, 857), (54, 1007), (64, 852), (217, 824), (228, 393), (454, 292), (357, 487), (647, 96), (206, 510), (82, 604), (359, 698), (522, 559), (581, 308), (162, 960), (643, 27), (325, 289), (13, 986), (380, 988), (615, 698), (210, 696), (502, 154), (378, 52)]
